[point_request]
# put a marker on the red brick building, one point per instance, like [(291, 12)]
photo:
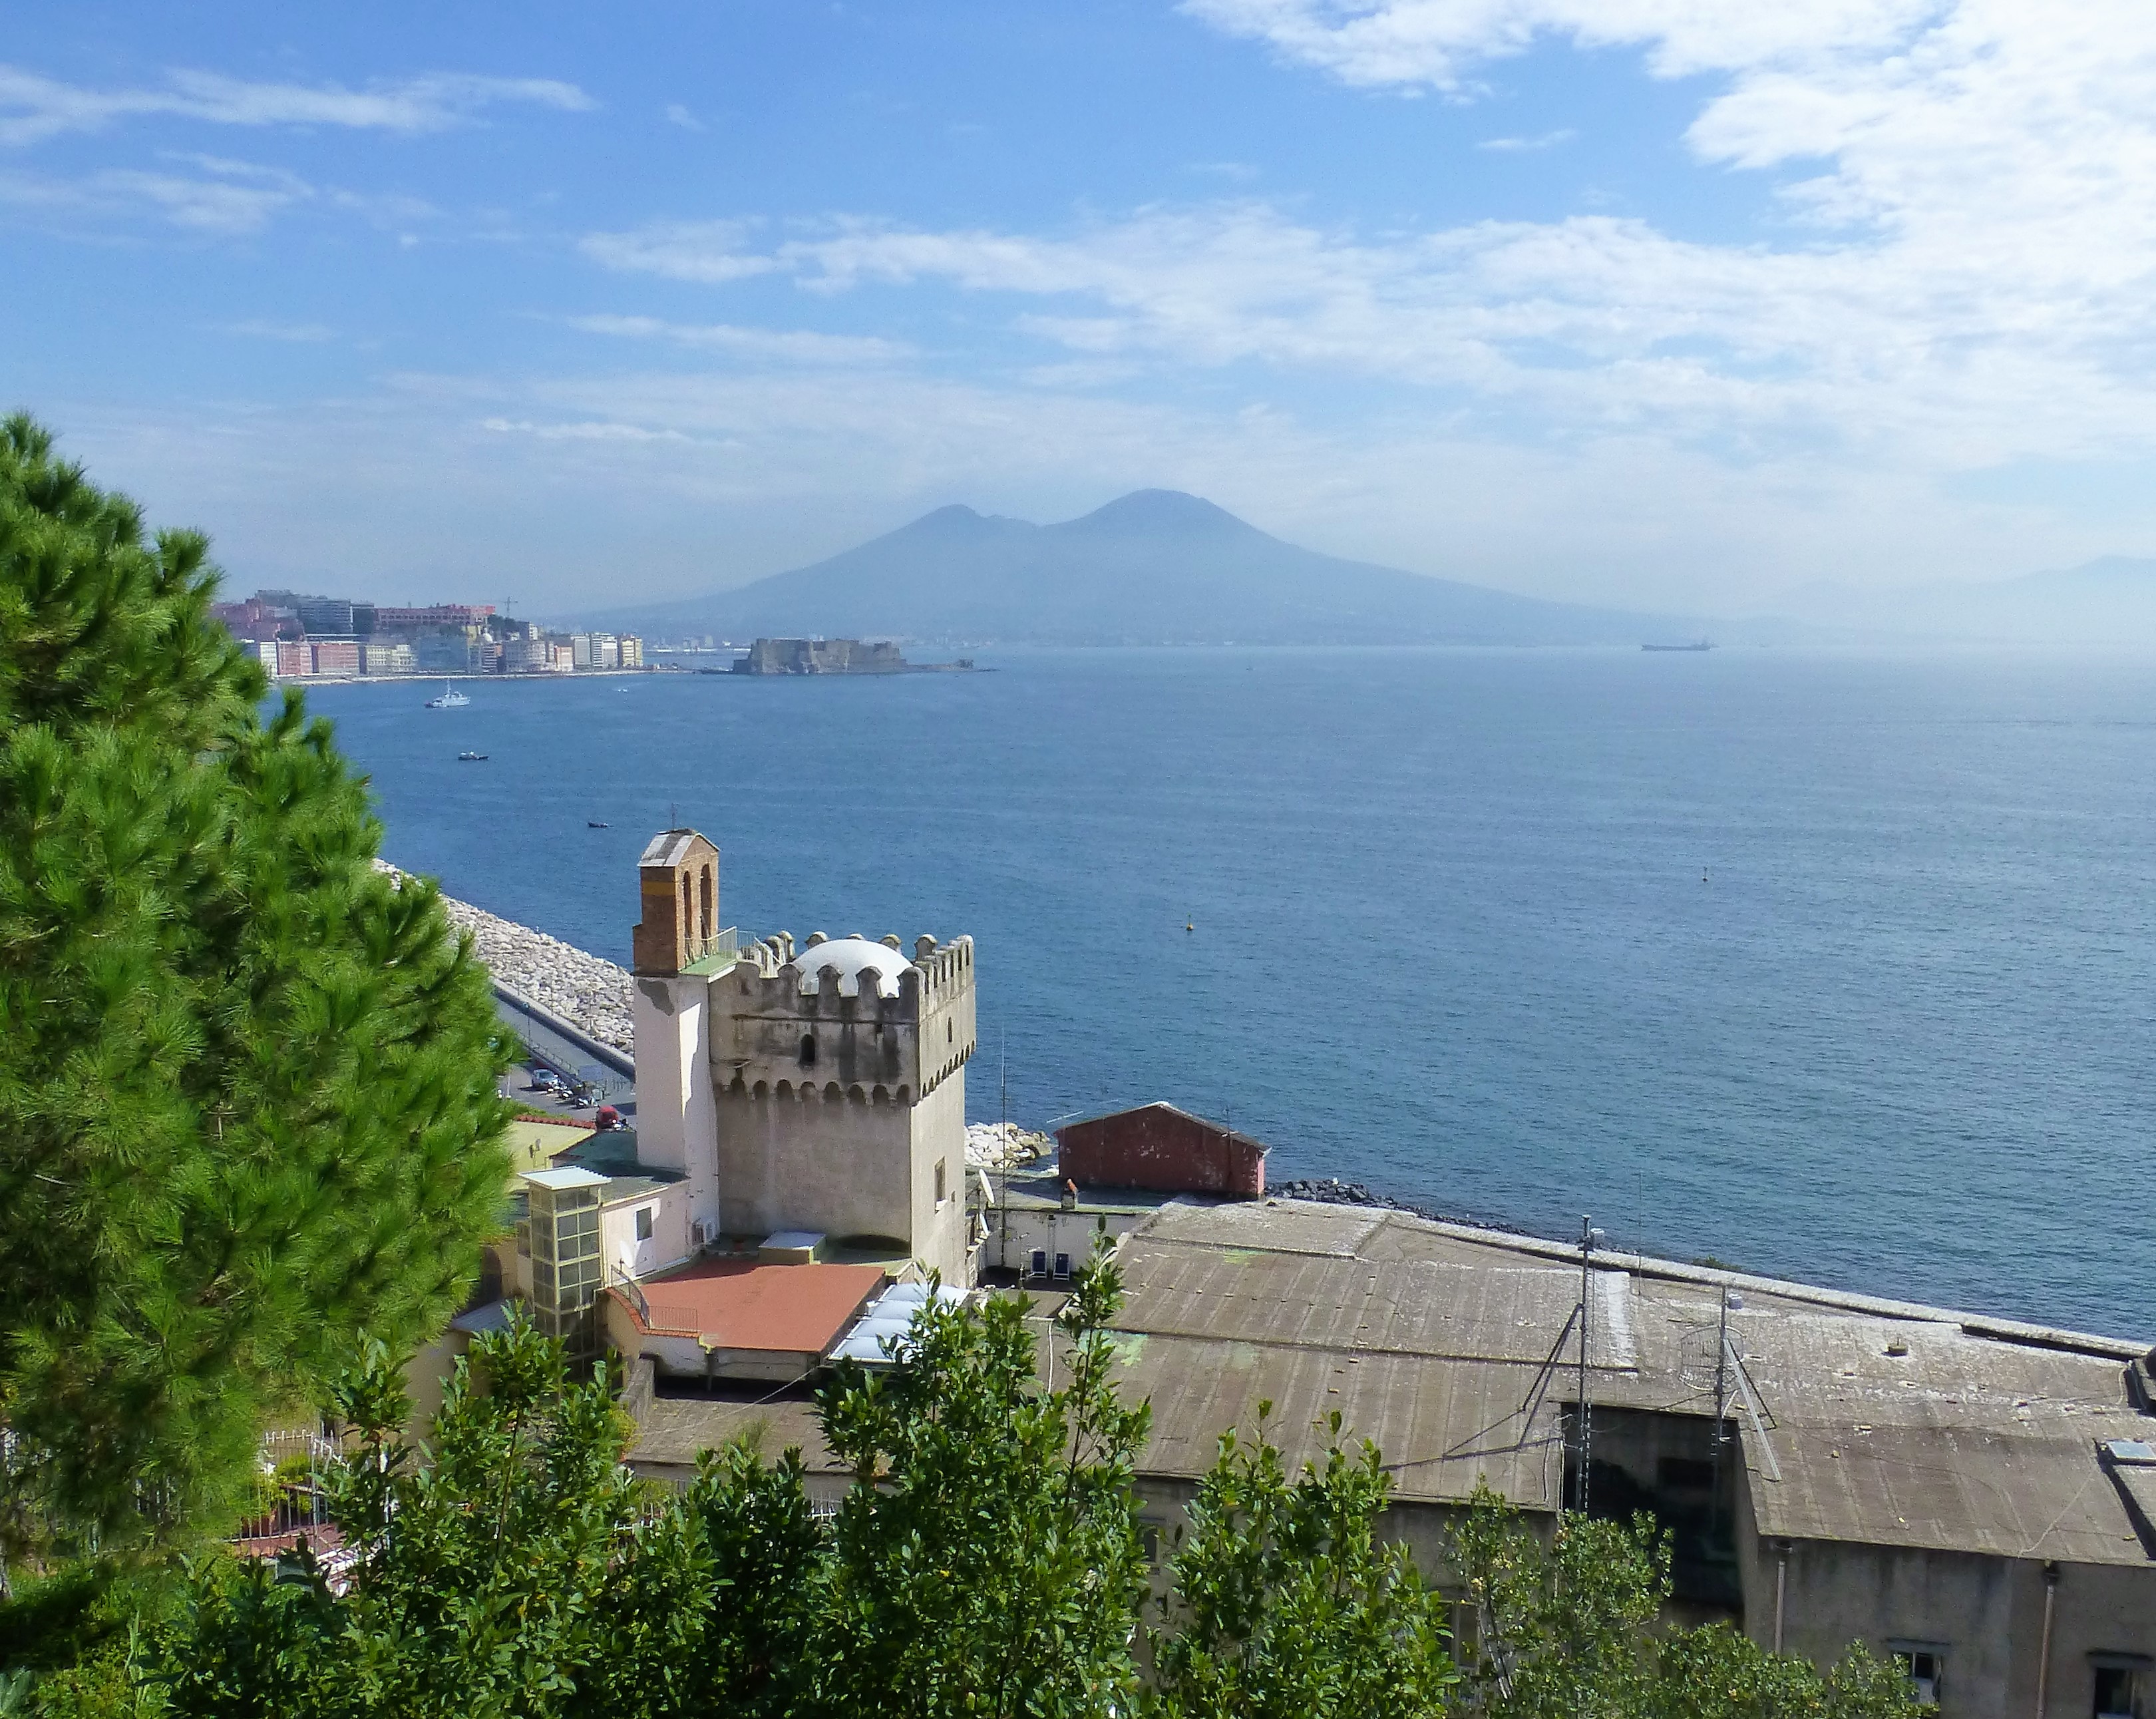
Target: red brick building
[(1164, 1150)]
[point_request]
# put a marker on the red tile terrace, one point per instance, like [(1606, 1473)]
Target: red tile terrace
[(741, 1304)]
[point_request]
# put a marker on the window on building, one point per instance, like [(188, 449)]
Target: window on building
[(1926, 1665), (808, 1050), (644, 1224), (950, 1031), (943, 1192), (2121, 1686)]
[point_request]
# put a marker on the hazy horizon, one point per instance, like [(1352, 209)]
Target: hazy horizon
[(1682, 309)]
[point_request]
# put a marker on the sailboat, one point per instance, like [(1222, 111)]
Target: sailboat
[(450, 700)]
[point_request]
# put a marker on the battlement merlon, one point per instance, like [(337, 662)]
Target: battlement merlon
[(773, 976), (864, 1015)]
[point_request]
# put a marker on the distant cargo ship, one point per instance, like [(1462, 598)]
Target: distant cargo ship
[(1697, 645)]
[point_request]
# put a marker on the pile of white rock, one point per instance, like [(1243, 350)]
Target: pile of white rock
[(583, 990), (1004, 1146)]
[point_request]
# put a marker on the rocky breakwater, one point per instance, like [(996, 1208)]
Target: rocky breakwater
[(1004, 1146), (590, 994)]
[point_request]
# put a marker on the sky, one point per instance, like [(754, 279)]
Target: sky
[(1680, 303)]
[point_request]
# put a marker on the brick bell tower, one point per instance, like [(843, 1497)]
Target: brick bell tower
[(677, 946)]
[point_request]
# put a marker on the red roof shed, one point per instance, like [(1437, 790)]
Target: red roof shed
[(1164, 1150)]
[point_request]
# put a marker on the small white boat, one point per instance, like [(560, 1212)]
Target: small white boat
[(450, 700)]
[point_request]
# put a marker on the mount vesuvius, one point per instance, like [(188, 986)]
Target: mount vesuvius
[(1156, 566)]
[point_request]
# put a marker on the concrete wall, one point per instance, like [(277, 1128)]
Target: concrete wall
[(812, 1156), (1985, 1614), (1160, 1148), (679, 1356)]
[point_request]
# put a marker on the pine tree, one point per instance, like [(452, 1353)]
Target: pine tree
[(247, 1103)]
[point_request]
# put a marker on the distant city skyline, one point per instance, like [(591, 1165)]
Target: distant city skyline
[(1673, 306)]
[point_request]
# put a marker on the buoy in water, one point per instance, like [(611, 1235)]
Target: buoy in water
[(1191, 927)]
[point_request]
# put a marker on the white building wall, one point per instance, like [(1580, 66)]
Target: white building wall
[(623, 1256), (677, 1125), (939, 1138)]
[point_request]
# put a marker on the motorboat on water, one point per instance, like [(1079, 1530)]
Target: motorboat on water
[(471, 757), (450, 700)]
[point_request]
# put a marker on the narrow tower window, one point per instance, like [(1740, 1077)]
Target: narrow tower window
[(710, 908), (808, 1050)]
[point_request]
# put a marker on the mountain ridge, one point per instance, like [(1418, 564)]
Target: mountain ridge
[(1153, 566)]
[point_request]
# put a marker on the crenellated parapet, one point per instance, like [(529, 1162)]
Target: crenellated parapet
[(845, 1011)]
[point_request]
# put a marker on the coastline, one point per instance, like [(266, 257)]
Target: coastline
[(592, 995)]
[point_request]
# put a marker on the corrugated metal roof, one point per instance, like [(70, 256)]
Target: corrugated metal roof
[(1423, 1333)]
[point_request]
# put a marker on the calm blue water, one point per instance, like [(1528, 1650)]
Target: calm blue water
[(1452, 934)]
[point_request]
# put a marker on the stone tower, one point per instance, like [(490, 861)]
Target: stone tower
[(820, 1088)]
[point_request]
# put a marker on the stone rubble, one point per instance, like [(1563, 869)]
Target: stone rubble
[(1332, 1190), (999, 1146), (587, 993)]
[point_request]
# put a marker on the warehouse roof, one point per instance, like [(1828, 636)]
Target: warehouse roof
[(1433, 1338), (1867, 1421)]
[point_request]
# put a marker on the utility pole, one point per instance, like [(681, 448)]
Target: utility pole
[(1588, 1236), (1003, 1147), (1720, 1407)]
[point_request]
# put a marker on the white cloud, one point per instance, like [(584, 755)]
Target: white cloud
[(289, 333), (597, 430), (233, 200), (1442, 42), (784, 346), (33, 108), (1963, 276), (677, 115), (1513, 145), (712, 251)]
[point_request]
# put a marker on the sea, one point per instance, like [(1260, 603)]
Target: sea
[(1829, 966)]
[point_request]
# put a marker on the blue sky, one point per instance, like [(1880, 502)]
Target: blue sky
[(1671, 301)]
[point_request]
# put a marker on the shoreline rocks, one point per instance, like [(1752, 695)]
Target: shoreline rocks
[(1332, 1190), (588, 992)]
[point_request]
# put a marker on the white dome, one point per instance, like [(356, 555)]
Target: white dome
[(853, 957)]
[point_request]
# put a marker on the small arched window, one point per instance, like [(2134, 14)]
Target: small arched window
[(710, 907), (808, 1050)]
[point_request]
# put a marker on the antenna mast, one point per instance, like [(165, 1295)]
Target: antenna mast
[(1589, 1234)]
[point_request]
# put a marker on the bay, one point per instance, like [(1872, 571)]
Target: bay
[(1831, 966)]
